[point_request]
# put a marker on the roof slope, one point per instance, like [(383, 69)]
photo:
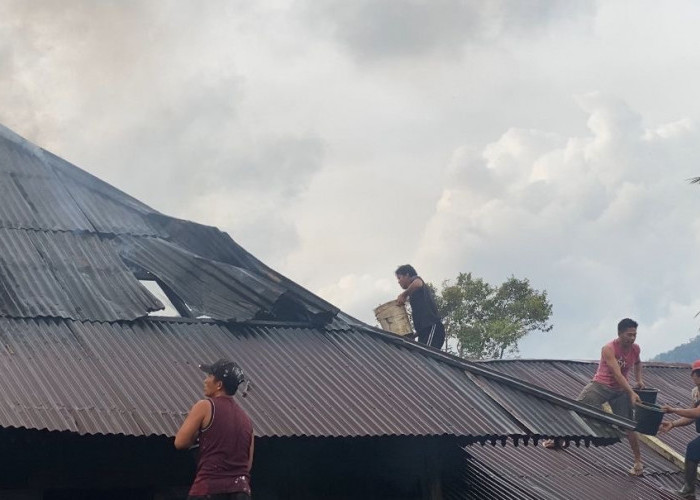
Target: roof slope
[(495, 473), (569, 377), (71, 244), (142, 378), (79, 353)]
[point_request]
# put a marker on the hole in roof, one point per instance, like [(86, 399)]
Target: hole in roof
[(157, 291)]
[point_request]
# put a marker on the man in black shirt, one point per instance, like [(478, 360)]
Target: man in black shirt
[(426, 320)]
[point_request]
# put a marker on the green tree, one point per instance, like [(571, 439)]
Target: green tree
[(488, 321)]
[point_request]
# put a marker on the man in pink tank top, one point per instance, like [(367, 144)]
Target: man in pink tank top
[(610, 384), (225, 436)]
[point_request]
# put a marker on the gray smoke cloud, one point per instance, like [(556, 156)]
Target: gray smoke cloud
[(337, 140), (397, 28)]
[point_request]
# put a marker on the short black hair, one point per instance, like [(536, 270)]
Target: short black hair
[(227, 372), (406, 269), (626, 323)]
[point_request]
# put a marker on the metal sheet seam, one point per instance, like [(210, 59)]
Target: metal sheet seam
[(461, 389), (487, 390), (101, 369)]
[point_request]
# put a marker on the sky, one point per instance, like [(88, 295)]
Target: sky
[(550, 140)]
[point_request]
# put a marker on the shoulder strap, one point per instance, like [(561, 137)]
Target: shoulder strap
[(211, 418)]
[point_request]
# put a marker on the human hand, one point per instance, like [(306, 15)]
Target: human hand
[(666, 408), (634, 397), (401, 299), (665, 427), (640, 385)]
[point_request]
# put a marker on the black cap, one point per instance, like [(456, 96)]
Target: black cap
[(227, 371)]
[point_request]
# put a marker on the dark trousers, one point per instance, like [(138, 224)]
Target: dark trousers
[(692, 452), (433, 335), (221, 496)]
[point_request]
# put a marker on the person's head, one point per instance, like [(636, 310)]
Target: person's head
[(695, 372), (627, 331), (405, 274), (223, 377)]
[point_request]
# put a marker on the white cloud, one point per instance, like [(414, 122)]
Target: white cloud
[(337, 140), (396, 28), (597, 220), (354, 292)]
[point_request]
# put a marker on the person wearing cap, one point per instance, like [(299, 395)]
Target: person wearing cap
[(610, 384), (688, 416), (225, 436), (424, 312)]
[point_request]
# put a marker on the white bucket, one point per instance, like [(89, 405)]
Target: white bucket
[(394, 318)]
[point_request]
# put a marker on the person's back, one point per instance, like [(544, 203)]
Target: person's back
[(225, 433), (224, 450), (426, 319), (423, 308)]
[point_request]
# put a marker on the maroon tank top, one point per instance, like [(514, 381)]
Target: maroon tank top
[(224, 450)]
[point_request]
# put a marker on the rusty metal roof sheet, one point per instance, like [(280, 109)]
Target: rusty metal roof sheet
[(569, 377), (140, 378), (496, 473)]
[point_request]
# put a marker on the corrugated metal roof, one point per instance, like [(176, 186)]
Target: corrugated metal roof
[(141, 378), (569, 377), (67, 275), (345, 379), (212, 244), (208, 287), (84, 276), (496, 473), (43, 194)]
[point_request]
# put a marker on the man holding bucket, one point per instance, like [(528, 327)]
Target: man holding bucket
[(426, 319), (688, 416), (610, 385)]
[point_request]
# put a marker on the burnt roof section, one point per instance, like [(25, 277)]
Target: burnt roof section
[(72, 310), (318, 382), (71, 246)]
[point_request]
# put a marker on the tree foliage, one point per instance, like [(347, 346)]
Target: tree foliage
[(488, 321)]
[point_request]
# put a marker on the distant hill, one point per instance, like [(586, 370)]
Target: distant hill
[(684, 353)]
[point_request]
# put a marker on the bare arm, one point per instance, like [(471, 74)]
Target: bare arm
[(189, 430), (690, 414), (608, 355), (251, 451), (413, 286), (638, 375)]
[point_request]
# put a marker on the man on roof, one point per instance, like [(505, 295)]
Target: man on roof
[(610, 383), (426, 319), (688, 416), (225, 436)]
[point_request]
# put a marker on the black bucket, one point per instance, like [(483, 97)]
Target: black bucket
[(647, 395), (648, 417)]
